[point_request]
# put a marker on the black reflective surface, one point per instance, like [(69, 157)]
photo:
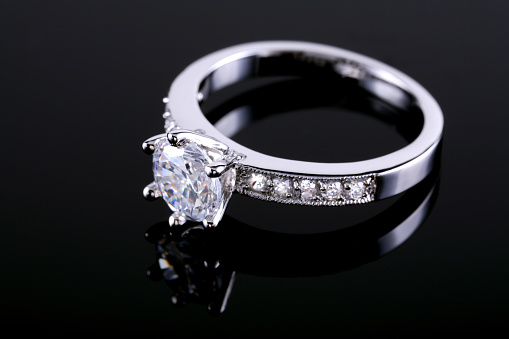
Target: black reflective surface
[(199, 265), (81, 88)]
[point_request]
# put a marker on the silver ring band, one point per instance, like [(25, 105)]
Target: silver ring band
[(299, 182)]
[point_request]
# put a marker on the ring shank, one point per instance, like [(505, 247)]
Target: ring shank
[(395, 172), (307, 65)]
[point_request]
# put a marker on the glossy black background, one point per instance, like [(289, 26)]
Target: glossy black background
[(81, 88)]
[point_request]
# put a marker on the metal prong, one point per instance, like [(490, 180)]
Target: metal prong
[(177, 219), (178, 136), (173, 139), (148, 148), (208, 224), (323, 187), (148, 145), (216, 169), (151, 192)]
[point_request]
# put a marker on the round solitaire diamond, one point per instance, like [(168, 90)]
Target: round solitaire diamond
[(332, 191), (307, 189), (179, 173), (354, 189), (257, 182), (282, 187)]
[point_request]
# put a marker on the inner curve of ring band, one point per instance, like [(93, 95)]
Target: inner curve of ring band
[(252, 88), (307, 65)]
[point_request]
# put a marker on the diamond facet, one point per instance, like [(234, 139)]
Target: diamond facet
[(354, 189), (179, 173), (332, 191), (257, 182), (308, 189), (282, 187)]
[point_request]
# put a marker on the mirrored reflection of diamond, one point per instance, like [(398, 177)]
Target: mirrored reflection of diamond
[(257, 182), (179, 173), (354, 189), (307, 189), (192, 270), (169, 272), (332, 191), (282, 187)]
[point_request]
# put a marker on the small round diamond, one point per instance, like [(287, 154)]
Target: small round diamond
[(282, 187), (354, 189), (169, 124), (257, 182), (307, 189), (332, 191)]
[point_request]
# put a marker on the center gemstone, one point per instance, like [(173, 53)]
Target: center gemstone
[(179, 173)]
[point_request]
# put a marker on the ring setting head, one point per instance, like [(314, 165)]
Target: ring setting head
[(195, 174)]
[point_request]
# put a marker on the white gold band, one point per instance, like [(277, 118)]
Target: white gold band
[(394, 172), (271, 178)]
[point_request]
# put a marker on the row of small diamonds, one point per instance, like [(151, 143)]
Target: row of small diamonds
[(315, 191), (169, 123), (293, 189)]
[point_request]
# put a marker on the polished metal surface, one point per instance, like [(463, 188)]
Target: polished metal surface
[(395, 172)]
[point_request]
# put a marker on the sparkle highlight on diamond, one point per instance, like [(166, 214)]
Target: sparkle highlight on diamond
[(282, 187), (308, 189), (179, 173), (305, 190), (332, 191), (354, 189), (257, 182)]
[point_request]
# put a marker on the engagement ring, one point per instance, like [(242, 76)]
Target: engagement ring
[(197, 166)]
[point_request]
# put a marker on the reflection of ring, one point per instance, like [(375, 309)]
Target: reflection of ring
[(199, 266), (197, 167)]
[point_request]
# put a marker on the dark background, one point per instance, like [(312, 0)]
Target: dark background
[(82, 84)]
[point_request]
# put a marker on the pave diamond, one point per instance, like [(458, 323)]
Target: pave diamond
[(354, 189), (282, 188), (332, 191), (179, 173), (169, 123), (257, 182), (308, 189)]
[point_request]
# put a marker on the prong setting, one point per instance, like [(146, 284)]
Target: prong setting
[(173, 139), (216, 169), (151, 192), (148, 145), (179, 136), (208, 224), (177, 219), (182, 175)]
